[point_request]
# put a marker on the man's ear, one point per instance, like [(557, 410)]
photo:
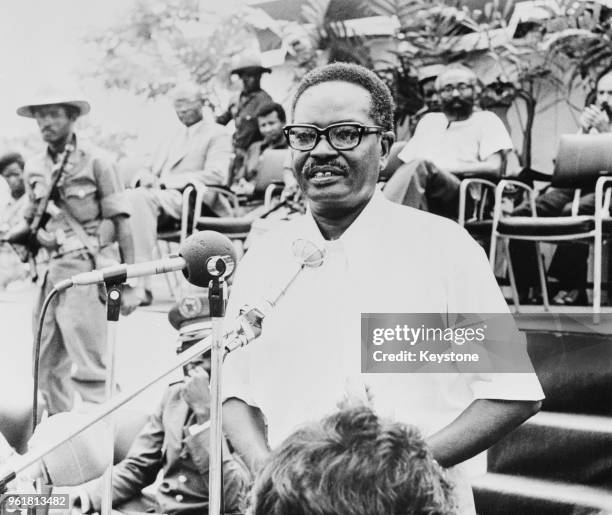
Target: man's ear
[(386, 142)]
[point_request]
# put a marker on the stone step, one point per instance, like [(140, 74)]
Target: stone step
[(558, 446), (501, 494), (574, 369)]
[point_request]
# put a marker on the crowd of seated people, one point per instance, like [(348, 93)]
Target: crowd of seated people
[(451, 137), (456, 138)]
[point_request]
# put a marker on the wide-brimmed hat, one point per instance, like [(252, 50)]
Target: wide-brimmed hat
[(248, 63), (53, 98)]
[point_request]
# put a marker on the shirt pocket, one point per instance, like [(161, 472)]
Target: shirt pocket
[(82, 201)]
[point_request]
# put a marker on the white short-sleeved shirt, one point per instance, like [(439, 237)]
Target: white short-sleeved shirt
[(468, 141), (392, 259)]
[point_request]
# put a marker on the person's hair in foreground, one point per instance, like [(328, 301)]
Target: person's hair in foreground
[(352, 463), (382, 101)]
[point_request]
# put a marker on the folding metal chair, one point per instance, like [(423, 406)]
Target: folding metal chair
[(501, 98), (582, 161), (244, 211)]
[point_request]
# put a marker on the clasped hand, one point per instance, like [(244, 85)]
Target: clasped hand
[(594, 118), (196, 393)]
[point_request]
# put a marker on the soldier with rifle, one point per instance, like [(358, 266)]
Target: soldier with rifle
[(71, 189)]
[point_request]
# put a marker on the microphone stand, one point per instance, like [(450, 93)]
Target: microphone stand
[(114, 287), (217, 298)]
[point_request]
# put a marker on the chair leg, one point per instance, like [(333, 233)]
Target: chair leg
[(542, 274), (597, 278), (173, 280), (493, 250), (515, 295)]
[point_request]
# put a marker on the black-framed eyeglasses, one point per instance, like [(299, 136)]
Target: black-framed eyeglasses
[(461, 88), (341, 136)]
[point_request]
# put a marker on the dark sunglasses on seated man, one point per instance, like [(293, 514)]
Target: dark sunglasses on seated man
[(341, 136)]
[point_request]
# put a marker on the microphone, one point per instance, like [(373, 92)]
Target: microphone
[(248, 325), (247, 328), (203, 256)]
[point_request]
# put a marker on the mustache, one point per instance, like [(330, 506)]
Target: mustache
[(314, 166), (458, 106)]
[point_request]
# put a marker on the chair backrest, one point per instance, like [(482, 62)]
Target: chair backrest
[(270, 169), (394, 162), (581, 159)]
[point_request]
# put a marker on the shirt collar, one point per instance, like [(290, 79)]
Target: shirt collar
[(53, 155), (360, 232), (193, 128)]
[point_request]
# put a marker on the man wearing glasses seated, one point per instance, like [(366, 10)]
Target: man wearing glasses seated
[(445, 145)]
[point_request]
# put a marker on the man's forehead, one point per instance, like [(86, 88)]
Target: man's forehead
[(456, 77), (186, 101), (50, 109), (11, 169), (333, 98), (605, 83), (270, 117)]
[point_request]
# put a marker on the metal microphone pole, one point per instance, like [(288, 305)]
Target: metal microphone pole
[(216, 297), (113, 309)]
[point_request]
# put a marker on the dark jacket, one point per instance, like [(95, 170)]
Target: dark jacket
[(247, 130), (165, 443)]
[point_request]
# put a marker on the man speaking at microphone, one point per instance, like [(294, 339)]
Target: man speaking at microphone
[(379, 257)]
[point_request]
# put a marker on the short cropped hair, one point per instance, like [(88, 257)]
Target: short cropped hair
[(10, 158), (453, 68), (382, 105), (352, 463), (187, 91), (272, 107)]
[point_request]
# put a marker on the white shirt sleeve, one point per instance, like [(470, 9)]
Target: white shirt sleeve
[(494, 136), (413, 149), (473, 289)]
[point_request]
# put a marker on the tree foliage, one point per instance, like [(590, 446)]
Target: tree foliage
[(162, 42), (432, 30), (581, 36)]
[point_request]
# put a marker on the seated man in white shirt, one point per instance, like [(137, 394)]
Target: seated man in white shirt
[(447, 145), (380, 257)]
